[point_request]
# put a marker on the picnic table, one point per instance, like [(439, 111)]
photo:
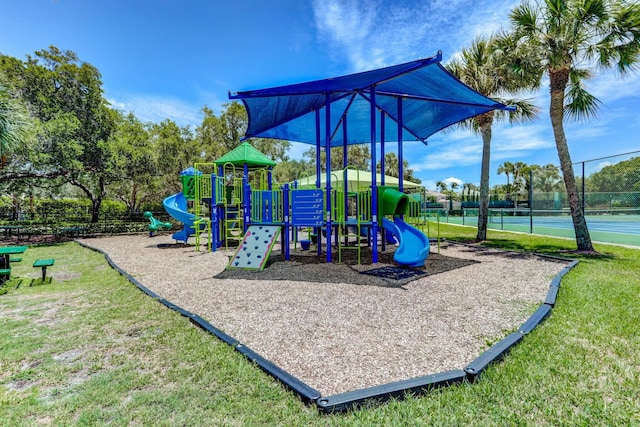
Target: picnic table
[(5, 260)]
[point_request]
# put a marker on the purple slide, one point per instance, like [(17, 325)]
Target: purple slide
[(413, 246)]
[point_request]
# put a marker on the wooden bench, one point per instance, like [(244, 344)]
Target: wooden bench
[(43, 263)]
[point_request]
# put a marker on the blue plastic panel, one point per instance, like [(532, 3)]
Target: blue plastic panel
[(307, 208)]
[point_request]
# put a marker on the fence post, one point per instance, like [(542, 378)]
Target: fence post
[(531, 201), (583, 200)]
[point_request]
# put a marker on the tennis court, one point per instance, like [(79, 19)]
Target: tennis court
[(609, 226)]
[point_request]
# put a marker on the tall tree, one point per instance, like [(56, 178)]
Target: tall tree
[(507, 168), (15, 123), (392, 168), (546, 178), (66, 96), (358, 156), (175, 149), (448, 189), (219, 135), (482, 67), (520, 177), (568, 39), (135, 163), (291, 170), (619, 177)]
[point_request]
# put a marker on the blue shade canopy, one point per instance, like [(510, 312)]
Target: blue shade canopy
[(431, 98)]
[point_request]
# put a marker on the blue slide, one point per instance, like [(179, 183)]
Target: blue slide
[(413, 246), (176, 206)]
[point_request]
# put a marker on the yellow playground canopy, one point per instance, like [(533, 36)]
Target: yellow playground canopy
[(357, 179)]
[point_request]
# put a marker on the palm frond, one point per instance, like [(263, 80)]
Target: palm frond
[(580, 104), (525, 18), (525, 110), (620, 47)]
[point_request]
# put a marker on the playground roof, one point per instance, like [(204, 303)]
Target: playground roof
[(432, 99), (357, 179), (245, 153)]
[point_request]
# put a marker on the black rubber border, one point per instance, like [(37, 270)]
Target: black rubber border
[(395, 390), (381, 393), (307, 393)]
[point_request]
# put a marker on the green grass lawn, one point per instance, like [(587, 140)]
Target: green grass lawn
[(91, 349)]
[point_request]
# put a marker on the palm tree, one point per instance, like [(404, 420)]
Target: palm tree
[(14, 124), (567, 40), (520, 176), (548, 177), (444, 188), (482, 67), (508, 169)]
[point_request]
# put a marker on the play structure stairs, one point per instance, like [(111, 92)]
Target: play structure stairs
[(254, 250), (232, 224)]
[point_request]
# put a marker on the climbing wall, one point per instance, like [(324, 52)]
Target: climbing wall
[(253, 252)]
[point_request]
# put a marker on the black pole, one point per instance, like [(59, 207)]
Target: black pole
[(583, 201), (531, 201)]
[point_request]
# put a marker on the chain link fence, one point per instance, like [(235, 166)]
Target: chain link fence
[(607, 184), (537, 202)]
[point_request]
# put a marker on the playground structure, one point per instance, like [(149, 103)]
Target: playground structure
[(229, 206), (409, 101)]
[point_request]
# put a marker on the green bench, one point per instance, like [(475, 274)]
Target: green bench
[(43, 263), (15, 259)]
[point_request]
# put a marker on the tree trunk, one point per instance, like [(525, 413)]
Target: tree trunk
[(95, 209), (558, 82), (483, 205)]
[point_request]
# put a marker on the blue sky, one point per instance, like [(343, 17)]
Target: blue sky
[(168, 58)]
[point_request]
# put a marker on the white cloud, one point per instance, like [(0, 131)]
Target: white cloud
[(601, 165), (610, 87), (452, 179), (372, 34), (460, 148), (151, 108), (429, 184), (518, 138), (462, 153)]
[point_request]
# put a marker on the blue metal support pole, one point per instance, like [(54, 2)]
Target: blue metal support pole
[(214, 215), (345, 160), (382, 170), (318, 144), (374, 187), (400, 154), (246, 202), (327, 145), (318, 230), (400, 151), (247, 197), (382, 154), (345, 173), (285, 207)]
